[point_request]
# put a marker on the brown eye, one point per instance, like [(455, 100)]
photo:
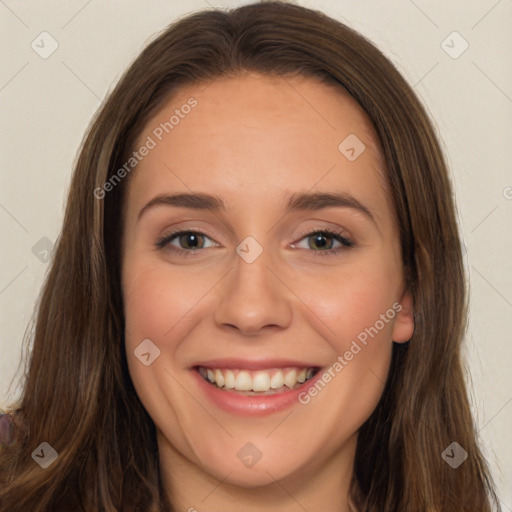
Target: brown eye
[(322, 242), (185, 241), (191, 240), (318, 241)]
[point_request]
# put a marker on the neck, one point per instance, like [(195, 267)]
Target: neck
[(318, 486)]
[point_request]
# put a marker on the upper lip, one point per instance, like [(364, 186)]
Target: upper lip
[(253, 364)]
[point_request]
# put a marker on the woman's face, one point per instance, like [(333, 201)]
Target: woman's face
[(225, 279)]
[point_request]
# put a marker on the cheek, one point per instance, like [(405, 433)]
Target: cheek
[(360, 314), (356, 298), (163, 305), (160, 304), (360, 305), (158, 307)]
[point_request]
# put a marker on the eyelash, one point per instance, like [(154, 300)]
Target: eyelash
[(163, 242), (339, 237)]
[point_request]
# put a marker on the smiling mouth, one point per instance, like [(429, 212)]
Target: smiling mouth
[(261, 382)]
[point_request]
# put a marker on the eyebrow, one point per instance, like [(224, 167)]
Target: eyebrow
[(303, 201)]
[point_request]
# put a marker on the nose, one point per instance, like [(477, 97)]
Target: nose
[(254, 298)]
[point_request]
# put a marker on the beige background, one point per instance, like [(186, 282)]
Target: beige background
[(46, 105)]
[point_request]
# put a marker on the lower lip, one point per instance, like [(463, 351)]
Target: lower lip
[(252, 405)]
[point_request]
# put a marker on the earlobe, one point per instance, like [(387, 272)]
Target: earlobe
[(403, 327)]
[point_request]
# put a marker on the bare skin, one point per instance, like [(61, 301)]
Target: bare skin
[(254, 141)]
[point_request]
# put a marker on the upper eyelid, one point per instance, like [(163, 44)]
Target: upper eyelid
[(330, 231)]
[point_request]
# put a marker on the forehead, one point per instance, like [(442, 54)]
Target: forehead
[(260, 135)]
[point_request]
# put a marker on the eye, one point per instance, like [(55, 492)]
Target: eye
[(322, 242), (190, 242), (187, 242)]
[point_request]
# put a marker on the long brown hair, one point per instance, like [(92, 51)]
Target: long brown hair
[(78, 396)]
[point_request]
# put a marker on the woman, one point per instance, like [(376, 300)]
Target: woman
[(191, 351)]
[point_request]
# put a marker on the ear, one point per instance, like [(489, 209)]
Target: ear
[(403, 327)]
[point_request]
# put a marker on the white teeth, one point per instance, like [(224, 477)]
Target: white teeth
[(263, 381), (277, 380), (219, 378), (229, 379), (243, 381), (290, 379)]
